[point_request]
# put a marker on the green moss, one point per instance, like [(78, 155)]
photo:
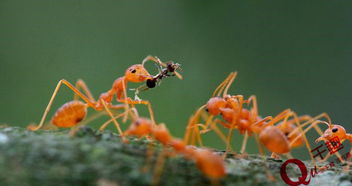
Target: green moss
[(92, 158)]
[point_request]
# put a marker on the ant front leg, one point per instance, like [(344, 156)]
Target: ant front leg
[(140, 102), (127, 101), (297, 121), (310, 122)]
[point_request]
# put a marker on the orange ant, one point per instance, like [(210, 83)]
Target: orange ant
[(332, 132), (71, 113), (279, 139), (209, 163), (335, 131)]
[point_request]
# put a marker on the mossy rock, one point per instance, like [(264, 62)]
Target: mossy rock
[(93, 158)]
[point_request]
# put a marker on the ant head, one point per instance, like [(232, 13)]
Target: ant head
[(137, 73), (140, 127), (332, 132), (210, 164), (214, 104), (161, 134)]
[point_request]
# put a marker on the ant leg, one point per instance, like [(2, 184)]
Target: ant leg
[(103, 126), (80, 84), (192, 121), (113, 119), (149, 154), (87, 120), (126, 104), (69, 85), (219, 133), (224, 124), (195, 136), (302, 133), (253, 99), (128, 101), (260, 146), (310, 122), (298, 124), (282, 115), (244, 143), (229, 83), (159, 167), (220, 88), (207, 124), (149, 106), (199, 138), (235, 118)]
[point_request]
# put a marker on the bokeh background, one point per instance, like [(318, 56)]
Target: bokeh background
[(289, 54)]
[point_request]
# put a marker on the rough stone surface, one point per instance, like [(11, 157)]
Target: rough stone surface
[(93, 158)]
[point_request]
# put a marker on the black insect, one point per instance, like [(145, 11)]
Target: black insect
[(165, 70), (169, 70)]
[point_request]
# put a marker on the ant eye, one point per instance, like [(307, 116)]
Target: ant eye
[(133, 71), (335, 130)]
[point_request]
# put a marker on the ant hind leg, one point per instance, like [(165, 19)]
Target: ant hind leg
[(90, 103)]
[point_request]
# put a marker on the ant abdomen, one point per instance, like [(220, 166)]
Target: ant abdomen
[(274, 140), (69, 114)]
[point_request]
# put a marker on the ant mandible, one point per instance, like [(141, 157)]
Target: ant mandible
[(71, 113)]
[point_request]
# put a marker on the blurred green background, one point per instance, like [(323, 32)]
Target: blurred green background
[(289, 54)]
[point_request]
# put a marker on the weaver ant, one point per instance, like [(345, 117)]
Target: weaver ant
[(71, 113), (209, 163), (279, 138)]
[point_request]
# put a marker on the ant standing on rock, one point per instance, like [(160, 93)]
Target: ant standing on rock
[(72, 112)]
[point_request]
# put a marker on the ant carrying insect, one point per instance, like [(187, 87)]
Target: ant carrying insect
[(71, 113), (170, 69)]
